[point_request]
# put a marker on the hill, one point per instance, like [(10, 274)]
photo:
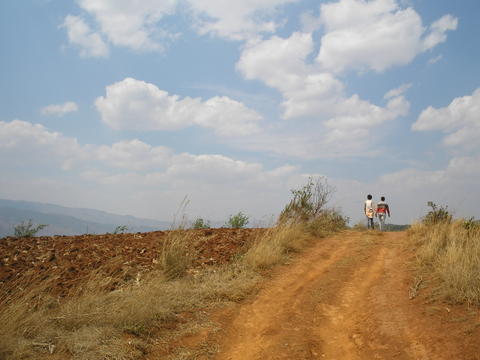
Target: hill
[(63, 220)]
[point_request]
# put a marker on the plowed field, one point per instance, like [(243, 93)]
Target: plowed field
[(63, 263)]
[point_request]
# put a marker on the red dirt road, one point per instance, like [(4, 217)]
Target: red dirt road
[(348, 298)]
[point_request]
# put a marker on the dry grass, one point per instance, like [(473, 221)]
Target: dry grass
[(451, 253), (177, 254), (273, 247), (94, 325)]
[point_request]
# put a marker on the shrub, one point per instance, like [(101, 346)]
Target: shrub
[(121, 229), (27, 229), (237, 221), (199, 223), (308, 201), (326, 222), (437, 214)]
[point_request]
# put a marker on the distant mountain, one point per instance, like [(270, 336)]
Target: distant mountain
[(69, 221)]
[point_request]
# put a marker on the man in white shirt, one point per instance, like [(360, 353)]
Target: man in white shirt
[(369, 209)]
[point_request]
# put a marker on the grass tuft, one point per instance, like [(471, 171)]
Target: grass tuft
[(451, 253)]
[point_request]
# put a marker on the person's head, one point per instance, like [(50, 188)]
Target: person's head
[(369, 197), (382, 198)]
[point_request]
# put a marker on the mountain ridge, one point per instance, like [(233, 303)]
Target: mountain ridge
[(62, 220)]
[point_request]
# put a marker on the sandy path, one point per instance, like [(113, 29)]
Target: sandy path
[(346, 298)]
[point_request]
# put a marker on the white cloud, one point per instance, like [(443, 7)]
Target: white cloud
[(236, 20), (60, 109), (375, 35), (397, 91), (137, 105), (132, 24), (142, 25), (437, 31), (435, 59), (133, 155), (408, 190), (459, 121), (32, 144), (332, 122), (79, 34), (133, 176)]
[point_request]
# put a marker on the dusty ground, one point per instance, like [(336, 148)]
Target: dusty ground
[(64, 263), (349, 298)]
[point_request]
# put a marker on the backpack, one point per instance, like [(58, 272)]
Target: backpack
[(370, 212), (369, 209)]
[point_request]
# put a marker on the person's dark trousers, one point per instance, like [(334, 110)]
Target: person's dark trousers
[(370, 223)]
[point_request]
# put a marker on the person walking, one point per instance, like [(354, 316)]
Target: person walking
[(382, 211), (369, 209)]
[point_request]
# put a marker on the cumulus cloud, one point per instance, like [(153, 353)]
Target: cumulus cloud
[(236, 20), (459, 121), (133, 155), (137, 105), (130, 175), (132, 24), (375, 35), (22, 142), (340, 123), (79, 34), (142, 25), (60, 109)]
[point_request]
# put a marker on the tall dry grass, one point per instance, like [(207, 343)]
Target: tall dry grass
[(451, 253), (94, 324), (277, 243), (274, 246)]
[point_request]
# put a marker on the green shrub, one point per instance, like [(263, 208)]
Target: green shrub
[(237, 221), (27, 229), (121, 229), (200, 223)]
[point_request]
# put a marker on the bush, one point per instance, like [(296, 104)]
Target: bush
[(437, 215), (326, 222), (308, 201), (27, 229), (199, 223), (121, 229), (237, 221)]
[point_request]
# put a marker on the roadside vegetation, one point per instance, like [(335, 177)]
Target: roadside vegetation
[(146, 310), (237, 221), (27, 229), (448, 252)]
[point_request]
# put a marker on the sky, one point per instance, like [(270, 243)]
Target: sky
[(131, 106)]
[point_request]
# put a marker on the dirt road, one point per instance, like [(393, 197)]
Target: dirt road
[(348, 298)]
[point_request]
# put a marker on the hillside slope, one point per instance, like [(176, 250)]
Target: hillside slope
[(69, 221)]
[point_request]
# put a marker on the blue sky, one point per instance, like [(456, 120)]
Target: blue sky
[(129, 106)]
